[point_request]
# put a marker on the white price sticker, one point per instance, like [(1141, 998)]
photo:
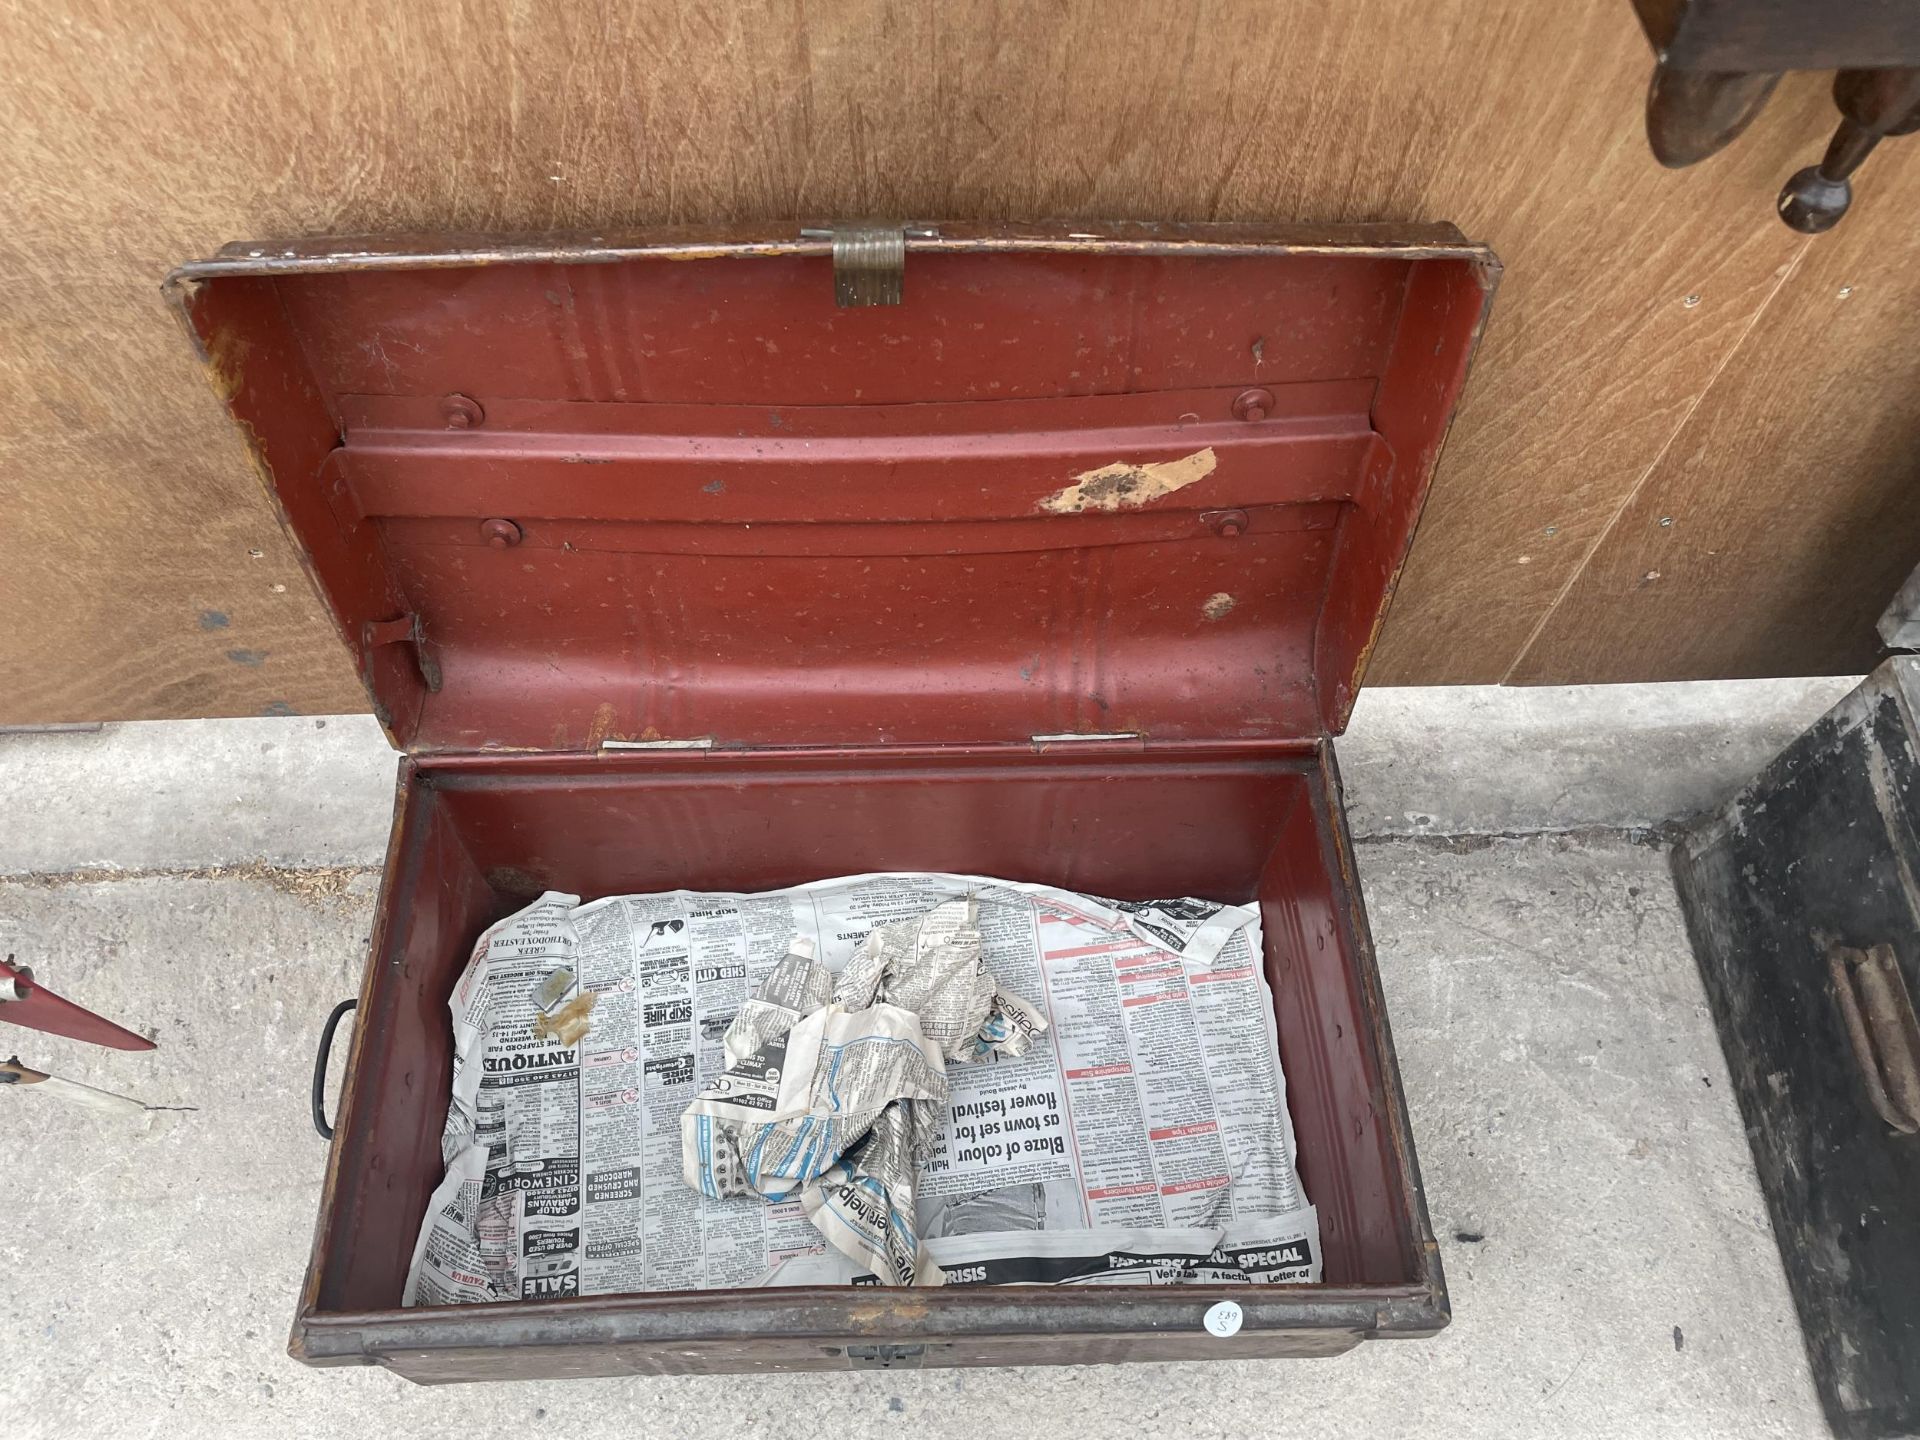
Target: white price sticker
[(1223, 1319)]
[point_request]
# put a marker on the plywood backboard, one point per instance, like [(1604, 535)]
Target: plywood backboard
[(1661, 343)]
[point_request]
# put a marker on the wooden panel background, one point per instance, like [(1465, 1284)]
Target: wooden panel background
[(1688, 448)]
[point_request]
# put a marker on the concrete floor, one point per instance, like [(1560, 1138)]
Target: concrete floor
[(1611, 1264)]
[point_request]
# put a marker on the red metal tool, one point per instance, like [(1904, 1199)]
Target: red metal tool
[(24, 1001)]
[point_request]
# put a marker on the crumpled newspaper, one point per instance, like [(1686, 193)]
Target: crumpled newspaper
[(835, 1084)]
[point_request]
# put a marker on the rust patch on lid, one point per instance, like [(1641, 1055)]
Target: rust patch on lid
[(1124, 485)]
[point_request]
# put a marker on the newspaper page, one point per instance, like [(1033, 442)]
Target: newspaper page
[(1279, 1250), (1145, 1134)]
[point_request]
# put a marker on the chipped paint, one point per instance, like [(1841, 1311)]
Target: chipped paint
[(1124, 485), (1219, 605), (892, 1314), (226, 352)]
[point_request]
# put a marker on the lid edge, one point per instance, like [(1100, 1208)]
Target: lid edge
[(1425, 240)]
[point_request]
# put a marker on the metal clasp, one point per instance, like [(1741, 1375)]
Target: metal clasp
[(404, 630), (1125, 739), (869, 261), (885, 1357)]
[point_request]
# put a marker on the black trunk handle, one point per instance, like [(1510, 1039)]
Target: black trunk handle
[(320, 1067), (1881, 1029)]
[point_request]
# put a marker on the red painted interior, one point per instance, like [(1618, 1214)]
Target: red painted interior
[(478, 838), (752, 516)]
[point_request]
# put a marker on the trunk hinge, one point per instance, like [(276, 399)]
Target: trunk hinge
[(404, 631), (869, 261), (1110, 739), (1117, 739), (702, 742)]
